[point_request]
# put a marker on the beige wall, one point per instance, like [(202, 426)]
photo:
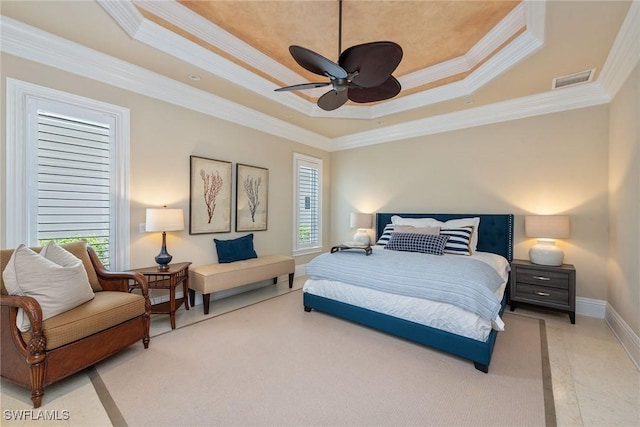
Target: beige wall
[(543, 165), (163, 136), (624, 202)]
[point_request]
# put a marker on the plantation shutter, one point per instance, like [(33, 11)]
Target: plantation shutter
[(74, 181), (307, 207)]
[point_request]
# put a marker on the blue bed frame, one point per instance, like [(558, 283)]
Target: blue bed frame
[(495, 235)]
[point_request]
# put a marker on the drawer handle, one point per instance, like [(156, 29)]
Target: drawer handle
[(541, 278), (543, 294)]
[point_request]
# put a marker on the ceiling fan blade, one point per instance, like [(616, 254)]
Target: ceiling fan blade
[(388, 89), (316, 63), (302, 86), (332, 100), (373, 61)]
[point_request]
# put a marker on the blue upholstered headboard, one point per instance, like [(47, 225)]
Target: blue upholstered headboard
[(495, 234)]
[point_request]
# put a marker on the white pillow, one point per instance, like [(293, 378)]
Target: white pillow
[(466, 222), (55, 278), (452, 223), (415, 222)]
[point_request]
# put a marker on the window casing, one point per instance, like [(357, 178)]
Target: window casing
[(307, 209), (67, 171)]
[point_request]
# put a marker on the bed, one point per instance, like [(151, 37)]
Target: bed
[(326, 294)]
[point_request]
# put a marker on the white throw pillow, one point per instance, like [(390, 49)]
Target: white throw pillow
[(55, 278), (415, 222)]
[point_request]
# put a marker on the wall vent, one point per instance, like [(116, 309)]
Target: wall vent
[(573, 79)]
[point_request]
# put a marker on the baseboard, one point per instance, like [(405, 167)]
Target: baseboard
[(629, 340), (591, 307)]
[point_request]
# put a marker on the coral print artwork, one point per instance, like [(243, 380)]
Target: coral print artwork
[(252, 185), (210, 196)]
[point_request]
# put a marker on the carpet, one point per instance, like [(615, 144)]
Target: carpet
[(272, 364)]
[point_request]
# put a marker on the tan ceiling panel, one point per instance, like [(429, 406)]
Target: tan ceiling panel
[(429, 32)]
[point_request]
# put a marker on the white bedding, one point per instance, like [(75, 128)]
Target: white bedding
[(438, 315)]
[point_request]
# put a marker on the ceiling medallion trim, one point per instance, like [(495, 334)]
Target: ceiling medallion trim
[(171, 11)]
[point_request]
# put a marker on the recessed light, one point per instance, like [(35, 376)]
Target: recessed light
[(194, 77), (469, 102), (380, 122)]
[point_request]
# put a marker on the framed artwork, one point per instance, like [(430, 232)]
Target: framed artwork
[(209, 196), (252, 192)]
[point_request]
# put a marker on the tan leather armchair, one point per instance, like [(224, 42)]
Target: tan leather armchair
[(69, 342)]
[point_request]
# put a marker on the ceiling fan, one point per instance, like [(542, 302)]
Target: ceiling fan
[(362, 74)]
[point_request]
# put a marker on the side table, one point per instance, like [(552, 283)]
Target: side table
[(174, 276)]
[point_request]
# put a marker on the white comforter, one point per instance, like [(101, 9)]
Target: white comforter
[(440, 315)]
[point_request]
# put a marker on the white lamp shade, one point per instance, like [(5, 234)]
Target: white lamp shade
[(361, 220), (547, 226), (164, 220)]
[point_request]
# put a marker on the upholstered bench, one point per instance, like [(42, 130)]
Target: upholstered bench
[(207, 279)]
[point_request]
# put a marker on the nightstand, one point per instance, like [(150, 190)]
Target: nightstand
[(544, 286)]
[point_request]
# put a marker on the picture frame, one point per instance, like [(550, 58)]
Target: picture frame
[(209, 196), (252, 194)]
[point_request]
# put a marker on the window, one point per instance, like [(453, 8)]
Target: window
[(307, 204), (67, 171)]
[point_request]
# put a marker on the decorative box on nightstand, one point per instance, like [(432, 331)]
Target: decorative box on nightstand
[(544, 286)]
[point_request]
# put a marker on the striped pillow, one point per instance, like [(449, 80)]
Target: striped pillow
[(459, 242), (433, 244), (386, 235)]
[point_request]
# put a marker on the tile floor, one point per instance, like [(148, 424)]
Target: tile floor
[(594, 381)]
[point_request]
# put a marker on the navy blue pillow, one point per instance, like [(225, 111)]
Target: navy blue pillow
[(235, 249)]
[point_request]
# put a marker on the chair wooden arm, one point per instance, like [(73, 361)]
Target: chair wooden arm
[(34, 349), (118, 281)]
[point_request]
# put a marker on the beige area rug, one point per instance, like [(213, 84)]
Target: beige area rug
[(272, 364)]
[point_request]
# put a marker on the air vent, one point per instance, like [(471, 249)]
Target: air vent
[(573, 79)]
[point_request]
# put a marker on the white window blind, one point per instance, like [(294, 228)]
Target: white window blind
[(308, 173), (74, 183), (67, 171)]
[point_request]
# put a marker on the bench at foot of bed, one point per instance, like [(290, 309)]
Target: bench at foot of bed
[(477, 351)]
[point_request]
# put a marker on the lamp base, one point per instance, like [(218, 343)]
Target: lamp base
[(546, 253), (362, 237), (163, 258)]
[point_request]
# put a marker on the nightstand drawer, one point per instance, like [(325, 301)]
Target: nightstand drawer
[(544, 278), (542, 294)]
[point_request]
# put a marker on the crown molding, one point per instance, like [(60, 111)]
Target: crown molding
[(30, 43), (585, 95), (495, 38), (166, 41), (625, 53)]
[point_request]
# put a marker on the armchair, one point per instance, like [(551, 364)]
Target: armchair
[(57, 347)]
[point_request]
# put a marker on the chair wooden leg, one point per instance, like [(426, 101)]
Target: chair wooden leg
[(36, 373)]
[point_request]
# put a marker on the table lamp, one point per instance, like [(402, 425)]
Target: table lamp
[(362, 222), (164, 220), (546, 228)]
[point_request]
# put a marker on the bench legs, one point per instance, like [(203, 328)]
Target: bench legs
[(290, 280), (205, 300)]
